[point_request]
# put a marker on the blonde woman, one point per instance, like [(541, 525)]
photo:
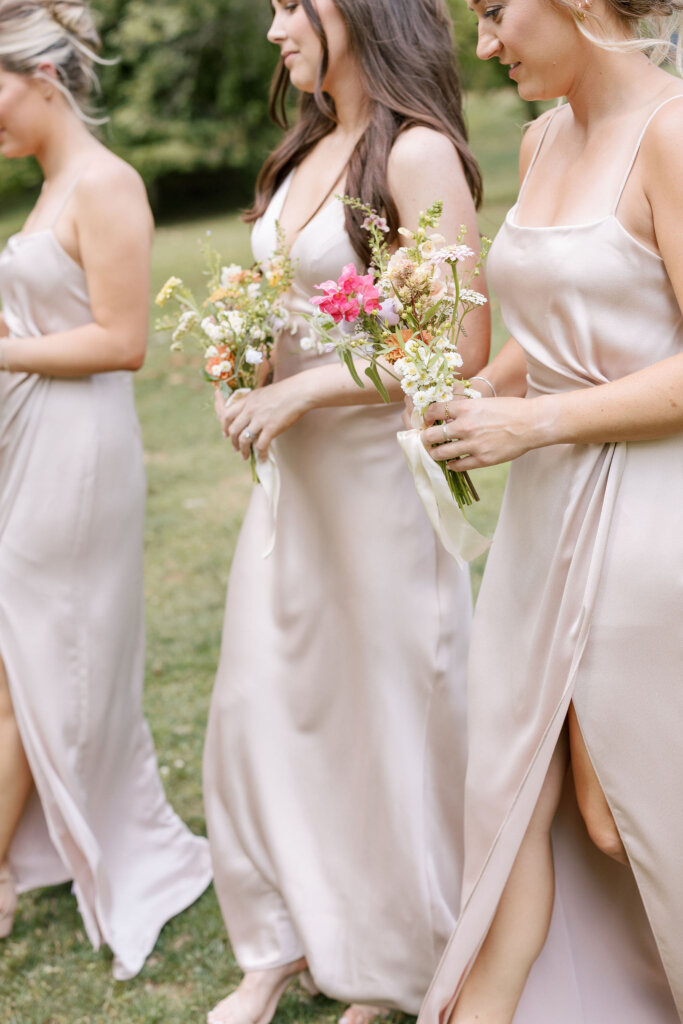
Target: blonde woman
[(577, 647), (80, 797)]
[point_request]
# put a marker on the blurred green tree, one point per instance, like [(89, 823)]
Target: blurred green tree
[(188, 96)]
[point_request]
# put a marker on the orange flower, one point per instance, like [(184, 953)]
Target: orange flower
[(407, 334), (220, 366), (397, 353)]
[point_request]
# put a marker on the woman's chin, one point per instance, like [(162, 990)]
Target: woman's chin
[(527, 92), (301, 81), (10, 150), (536, 94)]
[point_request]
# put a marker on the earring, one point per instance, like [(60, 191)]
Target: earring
[(581, 9)]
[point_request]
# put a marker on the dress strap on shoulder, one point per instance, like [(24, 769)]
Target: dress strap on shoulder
[(636, 150), (66, 197), (546, 126)]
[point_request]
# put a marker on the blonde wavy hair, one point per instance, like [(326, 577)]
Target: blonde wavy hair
[(61, 33), (655, 27)]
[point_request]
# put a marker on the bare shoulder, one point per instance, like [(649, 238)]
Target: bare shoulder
[(114, 188), (662, 145), (416, 147), (424, 165)]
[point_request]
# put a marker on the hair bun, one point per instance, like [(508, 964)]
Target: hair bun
[(74, 17)]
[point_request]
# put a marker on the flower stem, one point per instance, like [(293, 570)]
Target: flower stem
[(460, 486)]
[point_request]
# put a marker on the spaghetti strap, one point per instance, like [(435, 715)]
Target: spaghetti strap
[(540, 142), (67, 196), (678, 96)]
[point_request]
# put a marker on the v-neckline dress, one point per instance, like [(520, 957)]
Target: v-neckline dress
[(582, 600), (335, 753)]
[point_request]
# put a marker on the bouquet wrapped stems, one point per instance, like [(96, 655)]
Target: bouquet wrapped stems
[(460, 485)]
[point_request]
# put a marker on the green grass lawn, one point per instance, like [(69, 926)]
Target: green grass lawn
[(197, 494)]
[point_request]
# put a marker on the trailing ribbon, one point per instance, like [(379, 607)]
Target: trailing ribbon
[(459, 537), (268, 476)]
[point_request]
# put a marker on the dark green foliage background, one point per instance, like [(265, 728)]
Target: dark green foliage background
[(188, 97)]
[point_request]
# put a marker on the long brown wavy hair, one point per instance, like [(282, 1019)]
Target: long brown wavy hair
[(404, 53)]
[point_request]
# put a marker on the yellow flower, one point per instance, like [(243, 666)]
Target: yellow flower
[(168, 291)]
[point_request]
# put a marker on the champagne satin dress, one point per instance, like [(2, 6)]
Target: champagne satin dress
[(334, 761), (582, 600), (72, 496)]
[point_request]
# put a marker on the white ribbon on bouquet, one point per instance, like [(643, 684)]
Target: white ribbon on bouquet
[(459, 537), (269, 478)]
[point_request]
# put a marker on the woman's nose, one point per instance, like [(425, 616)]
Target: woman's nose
[(275, 33), (487, 44)]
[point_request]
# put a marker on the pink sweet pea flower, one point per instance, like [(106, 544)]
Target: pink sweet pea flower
[(344, 299)]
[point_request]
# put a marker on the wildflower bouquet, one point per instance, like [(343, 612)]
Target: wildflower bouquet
[(236, 324), (406, 314)]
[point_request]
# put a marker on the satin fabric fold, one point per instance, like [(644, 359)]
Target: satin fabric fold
[(582, 600), (72, 500), (335, 750)]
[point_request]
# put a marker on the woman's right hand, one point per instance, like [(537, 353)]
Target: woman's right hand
[(255, 419), (473, 433)]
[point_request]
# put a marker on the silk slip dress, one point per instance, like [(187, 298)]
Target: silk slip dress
[(72, 495), (334, 762), (582, 600)]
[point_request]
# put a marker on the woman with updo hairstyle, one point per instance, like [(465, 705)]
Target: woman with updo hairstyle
[(335, 752), (80, 796), (572, 902)]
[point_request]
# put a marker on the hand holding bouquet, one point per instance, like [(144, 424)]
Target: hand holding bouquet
[(405, 316), (235, 326)]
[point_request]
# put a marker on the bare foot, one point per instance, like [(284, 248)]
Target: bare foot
[(363, 1013), (255, 1000)]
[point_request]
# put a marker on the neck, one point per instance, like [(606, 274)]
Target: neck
[(65, 142), (613, 82), (351, 103)]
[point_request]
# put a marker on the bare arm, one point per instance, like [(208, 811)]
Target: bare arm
[(424, 166), (114, 230), (507, 370)]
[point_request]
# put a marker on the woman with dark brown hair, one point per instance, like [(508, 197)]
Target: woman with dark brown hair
[(335, 750)]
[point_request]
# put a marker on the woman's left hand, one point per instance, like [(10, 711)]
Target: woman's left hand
[(484, 431), (257, 418)]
